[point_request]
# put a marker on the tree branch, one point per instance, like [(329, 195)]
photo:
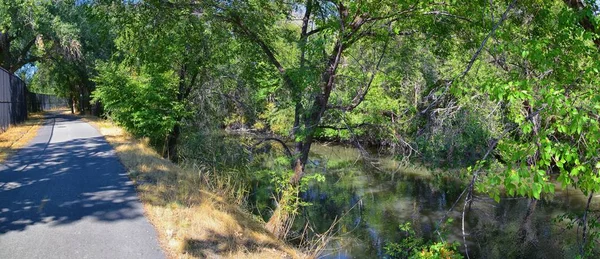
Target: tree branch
[(23, 57), (474, 57), (360, 96), (442, 13), (317, 30), (287, 150), (471, 187), (237, 21)]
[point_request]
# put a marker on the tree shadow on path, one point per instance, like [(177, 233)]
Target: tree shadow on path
[(64, 182)]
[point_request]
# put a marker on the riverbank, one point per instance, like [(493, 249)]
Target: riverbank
[(368, 201), (191, 220)]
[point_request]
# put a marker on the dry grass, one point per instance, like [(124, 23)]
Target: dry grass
[(191, 222), (17, 136)]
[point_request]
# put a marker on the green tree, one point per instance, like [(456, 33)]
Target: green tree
[(307, 43), (30, 30), (546, 67), (158, 42)]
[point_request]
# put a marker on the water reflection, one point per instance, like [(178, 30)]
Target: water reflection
[(373, 203)]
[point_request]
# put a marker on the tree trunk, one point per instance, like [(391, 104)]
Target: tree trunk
[(6, 60), (317, 110), (172, 140), (308, 117), (526, 232), (72, 104), (282, 217), (81, 108), (281, 220)]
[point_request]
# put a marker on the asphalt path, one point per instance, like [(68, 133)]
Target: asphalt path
[(66, 195)]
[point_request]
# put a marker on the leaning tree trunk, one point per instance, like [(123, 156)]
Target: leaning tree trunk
[(282, 217)]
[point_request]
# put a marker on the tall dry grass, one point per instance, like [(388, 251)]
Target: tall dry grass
[(17, 136), (192, 221)]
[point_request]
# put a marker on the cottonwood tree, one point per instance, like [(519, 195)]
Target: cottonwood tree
[(69, 76), (315, 50), (30, 30)]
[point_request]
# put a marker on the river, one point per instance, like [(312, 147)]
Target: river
[(371, 203)]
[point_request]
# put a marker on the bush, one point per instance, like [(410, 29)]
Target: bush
[(141, 100), (415, 247), (457, 141)]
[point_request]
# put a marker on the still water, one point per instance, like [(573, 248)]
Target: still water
[(370, 204)]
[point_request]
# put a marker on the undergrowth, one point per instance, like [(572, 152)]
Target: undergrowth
[(194, 208)]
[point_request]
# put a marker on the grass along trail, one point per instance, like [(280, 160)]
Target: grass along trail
[(191, 218), (17, 136)]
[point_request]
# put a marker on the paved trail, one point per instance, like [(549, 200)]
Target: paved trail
[(67, 196)]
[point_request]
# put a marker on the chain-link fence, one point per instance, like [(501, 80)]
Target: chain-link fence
[(44, 102), (16, 100), (13, 105)]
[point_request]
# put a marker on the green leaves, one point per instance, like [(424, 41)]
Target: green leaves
[(414, 247), (547, 92), (38, 30), (536, 190), (144, 100)]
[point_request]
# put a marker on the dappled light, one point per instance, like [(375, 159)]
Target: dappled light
[(65, 165), (70, 180), (300, 129)]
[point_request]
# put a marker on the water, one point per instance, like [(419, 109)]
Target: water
[(370, 204)]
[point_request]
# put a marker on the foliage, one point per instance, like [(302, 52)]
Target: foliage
[(574, 220), (274, 186), (506, 91), (551, 111), (460, 140), (412, 246), (141, 100), (32, 30)]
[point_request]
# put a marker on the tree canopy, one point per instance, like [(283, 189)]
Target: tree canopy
[(503, 92)]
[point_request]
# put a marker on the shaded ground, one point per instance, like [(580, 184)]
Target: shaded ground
[(196, 211), (66, 195)]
